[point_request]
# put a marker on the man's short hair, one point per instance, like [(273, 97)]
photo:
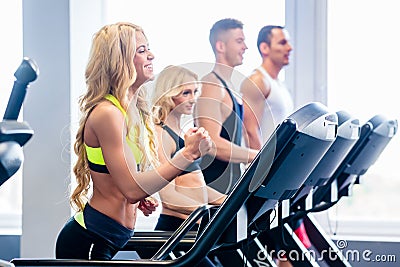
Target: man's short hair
[(221, 26), (265, 34)]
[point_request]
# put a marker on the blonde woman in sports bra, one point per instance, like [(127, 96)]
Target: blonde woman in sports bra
[(175, 93), (116, 148)]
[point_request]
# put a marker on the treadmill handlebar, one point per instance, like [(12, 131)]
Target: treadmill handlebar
[(16, 131), (27, 72)]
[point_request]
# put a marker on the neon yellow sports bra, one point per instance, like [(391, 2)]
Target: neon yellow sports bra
[(95, 155)]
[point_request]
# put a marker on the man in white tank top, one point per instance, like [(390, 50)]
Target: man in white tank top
[(267, 100)]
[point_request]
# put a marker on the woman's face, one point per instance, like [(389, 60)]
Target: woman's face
[(184, 102), (143, 60)]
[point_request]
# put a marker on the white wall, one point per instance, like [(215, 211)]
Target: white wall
[(49, 40)]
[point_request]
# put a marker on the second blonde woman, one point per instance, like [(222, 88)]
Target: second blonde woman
[(175, 93)]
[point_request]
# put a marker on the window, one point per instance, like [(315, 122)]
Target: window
[(10, 58), (363, 59), (180, 35)]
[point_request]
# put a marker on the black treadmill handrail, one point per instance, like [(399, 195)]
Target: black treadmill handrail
[(177, 236), (27, 72)]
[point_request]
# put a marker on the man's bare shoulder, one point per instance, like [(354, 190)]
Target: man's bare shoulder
[(210, 78), (257, 78), (253, 84), (211, 86)]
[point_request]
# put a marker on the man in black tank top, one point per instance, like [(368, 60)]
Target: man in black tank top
[(219, 109)]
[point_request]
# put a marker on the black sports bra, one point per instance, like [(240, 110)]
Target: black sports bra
[(180, 143)]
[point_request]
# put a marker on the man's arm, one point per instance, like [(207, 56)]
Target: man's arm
[(254, 103), (209, 109)]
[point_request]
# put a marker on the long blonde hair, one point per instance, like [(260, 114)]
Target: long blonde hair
[(110, 70), (169, 84)]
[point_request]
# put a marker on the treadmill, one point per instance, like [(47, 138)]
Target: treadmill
[(364, 151), (290, 155), (302, 203)]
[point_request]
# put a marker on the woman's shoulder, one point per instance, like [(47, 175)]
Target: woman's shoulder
[(105, 116), (165, 142), (159, 130), (105, 110)]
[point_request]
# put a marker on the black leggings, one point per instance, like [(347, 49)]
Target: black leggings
[(171, 223), (75, 242)]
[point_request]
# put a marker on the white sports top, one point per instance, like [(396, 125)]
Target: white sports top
[(278, 106)]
